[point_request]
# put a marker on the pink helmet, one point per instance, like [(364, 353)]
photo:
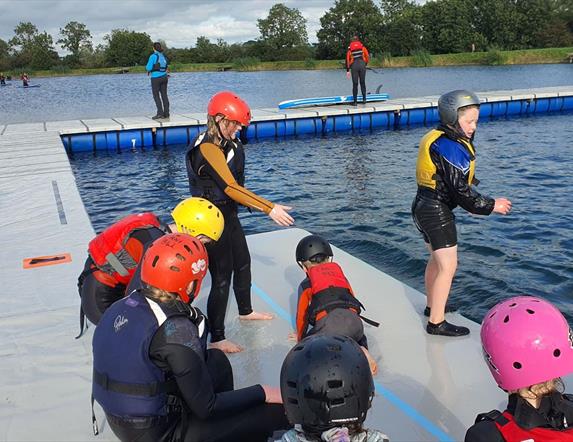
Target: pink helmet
[(526, 341)]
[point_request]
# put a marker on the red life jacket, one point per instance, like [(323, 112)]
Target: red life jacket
[(108, 250), (512, 432), (329, 289)]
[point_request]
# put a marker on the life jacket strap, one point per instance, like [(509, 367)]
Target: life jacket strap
[(152, 389)]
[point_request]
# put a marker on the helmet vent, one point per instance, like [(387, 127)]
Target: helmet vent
[(530, 311), (174, 269), (492, 315), (556, 352), (337, 401), (334, 384), (513, 304), (187, 248), (299, 348), (506, 319), (180, 257), (155, 260), (291, 384), (293, 401), (517, 365)]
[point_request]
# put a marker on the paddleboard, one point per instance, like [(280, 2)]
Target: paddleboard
[(7, 84), (27, 87), (327, 101)]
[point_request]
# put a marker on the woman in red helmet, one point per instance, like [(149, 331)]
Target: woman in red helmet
[(153, 375), (216, 169)]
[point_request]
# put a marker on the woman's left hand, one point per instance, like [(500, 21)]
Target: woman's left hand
[(280, 215)]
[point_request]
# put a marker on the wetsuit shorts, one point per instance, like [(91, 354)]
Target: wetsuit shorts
[(340, 321), (436, 221)]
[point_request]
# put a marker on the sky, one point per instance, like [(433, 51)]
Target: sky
[(177, 22)]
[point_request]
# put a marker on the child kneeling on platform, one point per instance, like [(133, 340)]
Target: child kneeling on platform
[(326, 302)]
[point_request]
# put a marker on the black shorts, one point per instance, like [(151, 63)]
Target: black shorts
[(435, 221)]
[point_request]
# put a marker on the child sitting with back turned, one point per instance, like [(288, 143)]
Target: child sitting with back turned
[(326, 302)]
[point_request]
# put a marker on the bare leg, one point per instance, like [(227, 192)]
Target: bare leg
[(439, 275)]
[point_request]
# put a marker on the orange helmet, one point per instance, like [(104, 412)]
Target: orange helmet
[(172, 262), (231, 106)]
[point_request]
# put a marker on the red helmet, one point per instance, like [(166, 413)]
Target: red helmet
[(172, 262), (231, 106)]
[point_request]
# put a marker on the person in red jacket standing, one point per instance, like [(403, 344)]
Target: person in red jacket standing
[(356, 60)]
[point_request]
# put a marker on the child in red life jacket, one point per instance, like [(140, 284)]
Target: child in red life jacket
[(326, 302), (528, 347)]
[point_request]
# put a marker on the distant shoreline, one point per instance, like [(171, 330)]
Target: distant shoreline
[(419, 59)]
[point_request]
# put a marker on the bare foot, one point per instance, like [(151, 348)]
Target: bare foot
[(293, 336), (257, 316), (371, 361), (226, 346)]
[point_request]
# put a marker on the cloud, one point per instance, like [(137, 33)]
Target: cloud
[(178, 22)]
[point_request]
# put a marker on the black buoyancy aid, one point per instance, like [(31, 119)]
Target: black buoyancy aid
[(158, 66), (330, 290), (126, 382), (202, 184), (107, 249), (512, 432)]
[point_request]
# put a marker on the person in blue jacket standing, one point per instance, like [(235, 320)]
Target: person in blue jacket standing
[(157, 67)]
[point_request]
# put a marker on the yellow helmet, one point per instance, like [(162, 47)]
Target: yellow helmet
[(198, 216)]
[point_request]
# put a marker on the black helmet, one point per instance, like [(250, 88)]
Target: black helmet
[(450, 102), (326, 381), (310, 246)]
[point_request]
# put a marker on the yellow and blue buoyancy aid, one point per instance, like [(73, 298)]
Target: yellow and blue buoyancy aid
[(460, 153)]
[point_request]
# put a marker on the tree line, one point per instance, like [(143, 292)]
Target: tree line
[(387, 27)]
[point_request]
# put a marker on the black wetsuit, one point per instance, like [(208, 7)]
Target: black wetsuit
[(209, 410), (96, 296), (432, 208), (221, 182), (2, 79), (555, 411), (358, 73)]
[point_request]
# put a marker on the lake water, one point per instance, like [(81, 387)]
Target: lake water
[(356, 188), (102, 96)]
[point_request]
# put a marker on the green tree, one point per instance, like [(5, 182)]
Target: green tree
[(345, 19), (127, 48), (448, 27), (5, 62), (33, 49), (283, 28), (402, 29), (498, 21), (74, 37)]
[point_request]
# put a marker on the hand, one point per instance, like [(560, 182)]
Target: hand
[(272, 394), (280, 216), (502, 206), (293, 336), (347, 74)]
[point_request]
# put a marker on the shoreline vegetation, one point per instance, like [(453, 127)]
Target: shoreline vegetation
[(493, 57)]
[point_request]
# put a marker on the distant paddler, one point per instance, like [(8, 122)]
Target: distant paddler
[(25, 79), (357, 58)]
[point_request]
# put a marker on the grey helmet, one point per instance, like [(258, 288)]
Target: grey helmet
[(450, 102)]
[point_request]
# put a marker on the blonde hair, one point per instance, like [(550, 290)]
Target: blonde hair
[(160, 295), (463, 110), (537, 391), (213, 129)]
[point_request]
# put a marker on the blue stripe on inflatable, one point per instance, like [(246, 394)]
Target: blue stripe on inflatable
[(407, 409), (321, 101)]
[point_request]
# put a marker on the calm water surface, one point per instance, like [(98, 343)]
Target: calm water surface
[(356, 190), (104, 96)]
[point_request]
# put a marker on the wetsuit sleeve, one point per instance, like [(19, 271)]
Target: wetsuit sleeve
[(460, 191), (176, 348), (365, 54), (217, 168), (348, 59), (484, 431)]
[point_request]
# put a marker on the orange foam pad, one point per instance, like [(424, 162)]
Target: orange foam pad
[(50, 260)]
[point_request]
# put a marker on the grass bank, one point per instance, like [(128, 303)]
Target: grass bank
[(417, 59)]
